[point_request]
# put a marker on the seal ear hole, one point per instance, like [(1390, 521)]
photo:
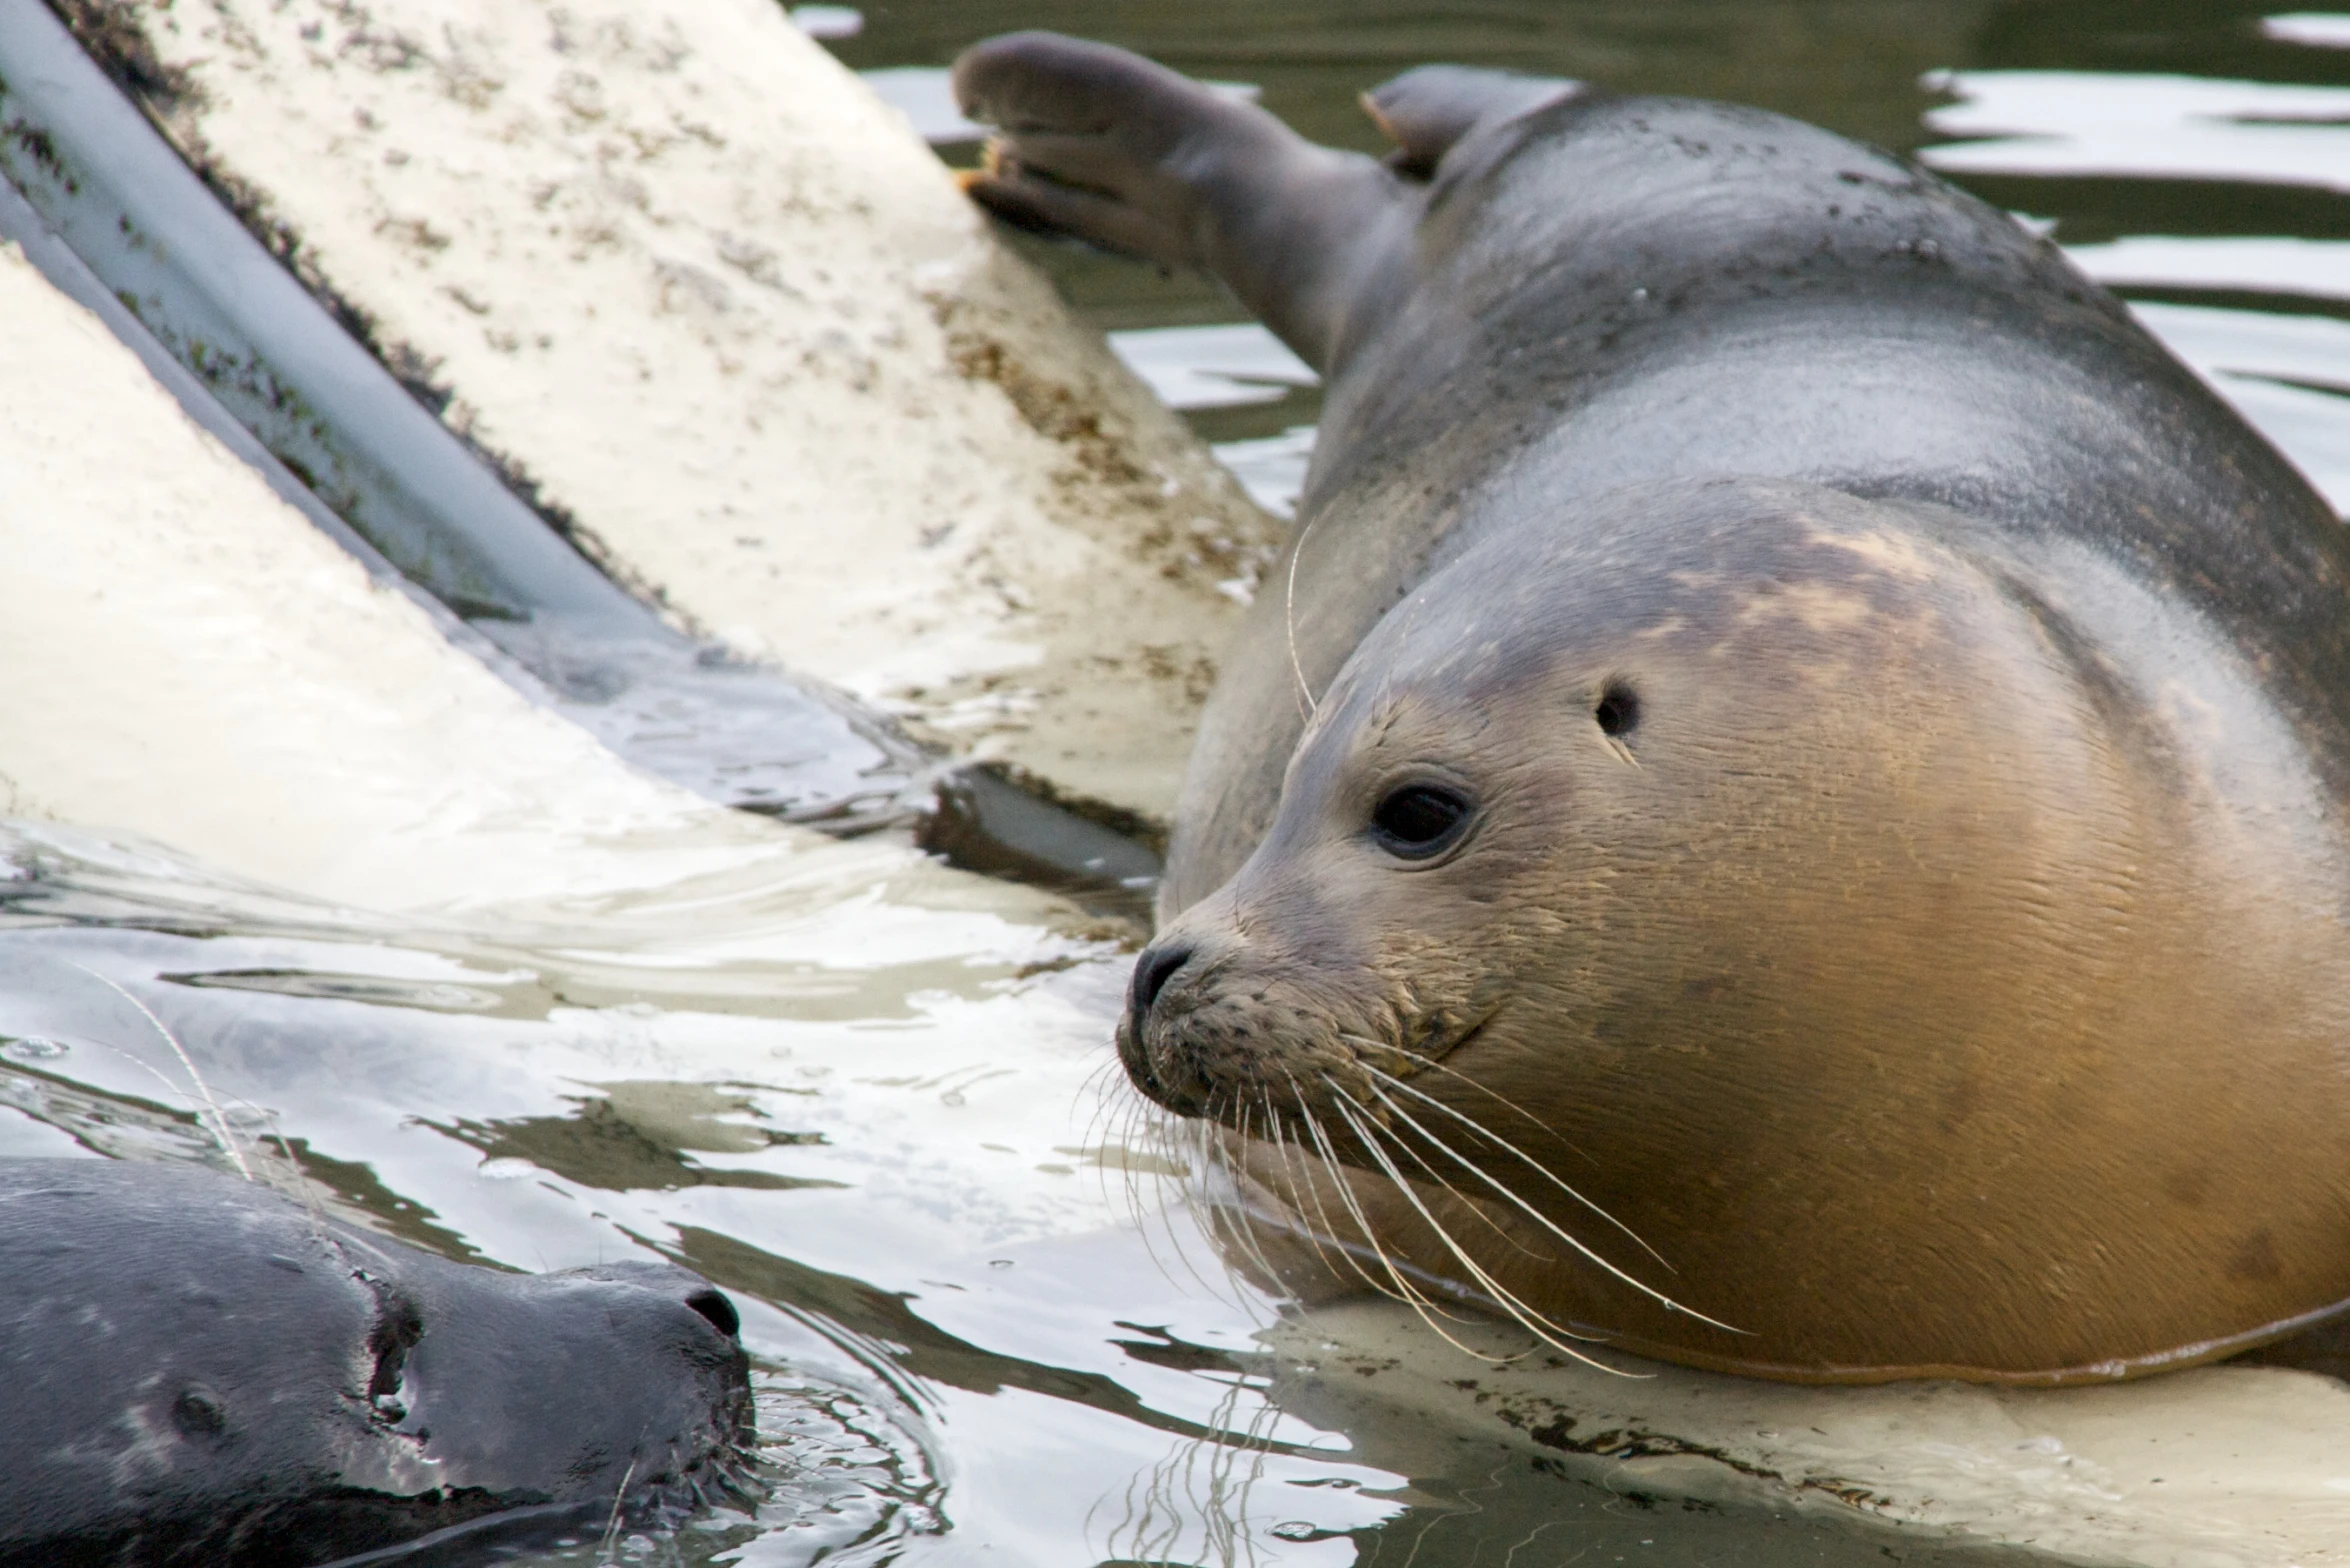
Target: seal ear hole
[(1618, 710), (198, 1414), (1418, 820), (717, 1311), (398, 1326)]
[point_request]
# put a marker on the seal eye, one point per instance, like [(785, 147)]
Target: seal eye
[(1418, 820), (1618, 711)]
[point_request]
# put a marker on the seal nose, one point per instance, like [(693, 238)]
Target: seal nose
[(1152, 971), (688, 1289)]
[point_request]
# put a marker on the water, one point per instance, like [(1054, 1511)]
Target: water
[(883, 1121)]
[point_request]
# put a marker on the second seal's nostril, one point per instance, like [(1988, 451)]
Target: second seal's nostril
[(717, 1310), (1151, 974)]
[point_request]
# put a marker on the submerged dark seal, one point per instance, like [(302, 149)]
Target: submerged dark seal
[(194, 1370), (1786, 810)]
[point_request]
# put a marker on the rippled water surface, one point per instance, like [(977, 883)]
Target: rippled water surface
[(984, 1331)]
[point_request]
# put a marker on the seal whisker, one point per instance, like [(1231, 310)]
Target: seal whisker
[(1297, 1202), (1244, 1234), (620, 1496), (1129, 1132), (1245, 1130), (228, 1138), (1445, 1183), (1136, 1113), (1321, 1210), (1533, 1164), (1112, 1117), (1535, 1323), (1435, 1064), (1508, 1303), (1308, 707), (1098, 1083), (1474, 1206), (1280, 1142), (1395, 1285), (1422, 1305), (1172, 1142), (1115, 1107), (1319, 1224), (302, 1190), (1134, 1206), (1525, 1314)]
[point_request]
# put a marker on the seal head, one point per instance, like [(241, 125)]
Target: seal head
[(1744, 860), (196, 1369)]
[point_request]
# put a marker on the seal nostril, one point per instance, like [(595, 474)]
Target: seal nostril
[(717, 1310), (1152, 974)]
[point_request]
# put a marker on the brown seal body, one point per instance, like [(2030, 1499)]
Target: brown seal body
[(1787, 809)]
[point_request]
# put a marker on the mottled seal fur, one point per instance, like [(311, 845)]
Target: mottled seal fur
[(194, 1369), (1785, 811)]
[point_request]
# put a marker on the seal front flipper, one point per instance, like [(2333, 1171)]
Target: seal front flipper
[(1109, 147), (1428, 111), (1091, 141)]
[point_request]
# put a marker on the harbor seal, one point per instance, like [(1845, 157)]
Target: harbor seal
[(195, 1369), (1784, 810)]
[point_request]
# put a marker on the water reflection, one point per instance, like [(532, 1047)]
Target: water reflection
[(2144, 127), (2126, 137), (2318, 29), (926, 1218), (1207, 371), (2255, 264)]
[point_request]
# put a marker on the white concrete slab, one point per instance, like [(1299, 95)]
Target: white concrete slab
[(728, 312), (2221, 1467), (192, 661)]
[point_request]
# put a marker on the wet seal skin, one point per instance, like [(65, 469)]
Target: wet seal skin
[(1785, 809), (197, 1370)]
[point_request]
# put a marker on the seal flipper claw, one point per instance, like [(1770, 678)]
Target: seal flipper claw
[(1045, 205), (1103, 144), (1427, 111), (1098, 143)]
